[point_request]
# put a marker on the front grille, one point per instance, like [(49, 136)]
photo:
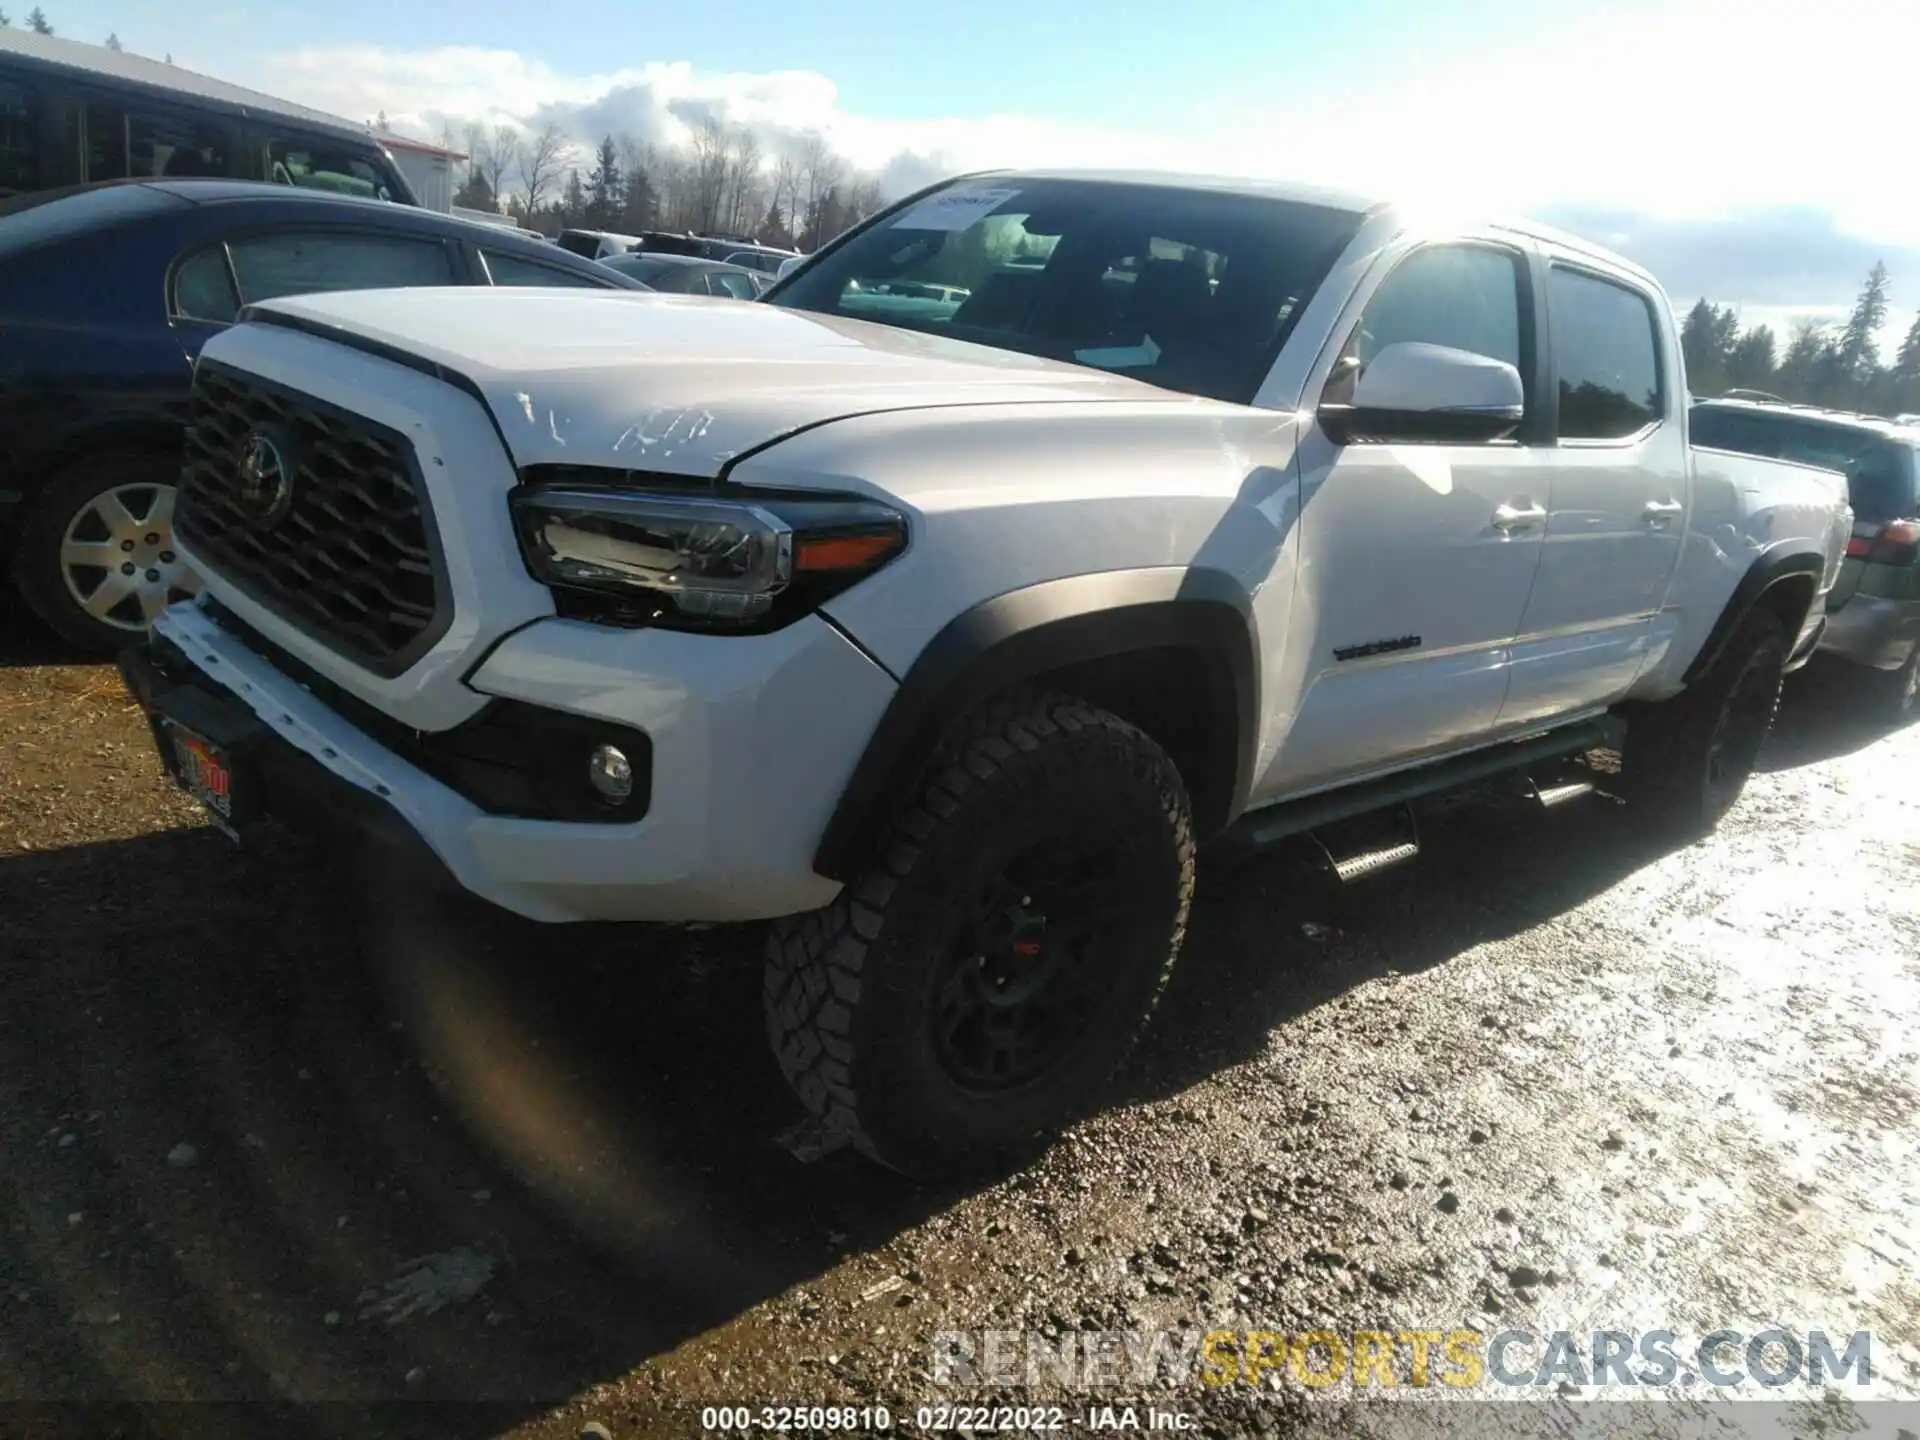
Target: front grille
[(344, 550)]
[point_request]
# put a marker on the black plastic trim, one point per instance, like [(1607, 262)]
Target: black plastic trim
[(1761, 577), (1027, 633), (509, 758), (401, 660)]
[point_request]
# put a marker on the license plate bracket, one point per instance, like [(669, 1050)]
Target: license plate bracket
[(205, 738), (205, 770)]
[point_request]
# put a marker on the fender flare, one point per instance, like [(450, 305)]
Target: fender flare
[(1765, 573), (1026, 633)]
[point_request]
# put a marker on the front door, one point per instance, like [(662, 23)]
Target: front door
[(1416, 559)]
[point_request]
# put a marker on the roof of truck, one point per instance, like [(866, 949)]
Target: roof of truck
[(139, 70), (1879, 424), (1224, 184)]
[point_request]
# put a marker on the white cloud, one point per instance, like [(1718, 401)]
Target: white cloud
[(1674, 109), (1695, 111)]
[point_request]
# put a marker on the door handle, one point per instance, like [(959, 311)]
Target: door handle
[(1659, 512), (1509, 517)]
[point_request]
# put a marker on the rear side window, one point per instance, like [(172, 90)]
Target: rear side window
[(1729, 430), (1879, 471), (727, 283), (1606, 348), (203, 288), (511, 270), (269, 266), (585, 246)]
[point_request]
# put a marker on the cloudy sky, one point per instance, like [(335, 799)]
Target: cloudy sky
[(1758, 153)]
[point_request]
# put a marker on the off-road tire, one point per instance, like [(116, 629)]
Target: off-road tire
[(849, 990), (1670, 772), (49, 510)]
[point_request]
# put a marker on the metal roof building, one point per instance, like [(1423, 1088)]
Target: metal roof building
[(98, 60)]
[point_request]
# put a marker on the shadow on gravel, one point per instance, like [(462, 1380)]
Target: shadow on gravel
[(25, 641), (580, 1126), (1822, 716)]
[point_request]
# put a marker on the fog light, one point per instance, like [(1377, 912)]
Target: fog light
[(610, 773)]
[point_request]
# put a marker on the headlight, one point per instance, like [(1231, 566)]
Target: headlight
[(751, 562)]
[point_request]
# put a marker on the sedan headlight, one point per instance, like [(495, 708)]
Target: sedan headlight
[(745, 562)]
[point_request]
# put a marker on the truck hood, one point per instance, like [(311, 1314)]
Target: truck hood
[(672, 383)]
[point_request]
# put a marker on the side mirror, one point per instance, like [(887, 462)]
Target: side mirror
[(1431, 393)]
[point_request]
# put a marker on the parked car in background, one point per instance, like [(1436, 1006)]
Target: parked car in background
[(596, 244), (73, 114), (763, 258), (106, 294), (1873, 612), (684, 275)]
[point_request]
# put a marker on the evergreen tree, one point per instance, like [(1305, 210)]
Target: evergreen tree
[(1750, 363), (475, 194), (38, 23), (1906, 373), (1707, 338), (113, 42), (1800, 367), (1857, 352), (603, 185), (573, 203)]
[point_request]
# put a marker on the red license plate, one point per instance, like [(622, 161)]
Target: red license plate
[(203, 773)]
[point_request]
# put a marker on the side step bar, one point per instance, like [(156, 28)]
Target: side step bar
[(1261, 828), (1552, 795)]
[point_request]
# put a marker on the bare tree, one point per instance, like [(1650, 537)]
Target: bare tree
[(711, 161), (497, 155), (541, 163), (743, 167), (864, 199), (820, 172), (786, 192)]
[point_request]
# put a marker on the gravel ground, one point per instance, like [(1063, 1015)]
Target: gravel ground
[(283, 1128)]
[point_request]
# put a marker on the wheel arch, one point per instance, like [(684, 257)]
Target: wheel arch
[(1786, 583), (1169, 649), (137, 431)]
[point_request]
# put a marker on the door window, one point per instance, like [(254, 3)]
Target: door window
[(1466, 297), (512, 270), (177, 147), (268, 266), (1606, 348), (729, 286)]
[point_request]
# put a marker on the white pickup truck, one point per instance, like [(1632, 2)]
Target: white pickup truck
[(941, 634)]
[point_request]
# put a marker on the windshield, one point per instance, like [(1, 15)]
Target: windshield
[(316, 165), (1188, 289)]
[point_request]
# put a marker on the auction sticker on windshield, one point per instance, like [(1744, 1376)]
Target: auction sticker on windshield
[(953, 209)]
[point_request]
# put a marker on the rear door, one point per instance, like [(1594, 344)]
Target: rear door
[(1619, 491)]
